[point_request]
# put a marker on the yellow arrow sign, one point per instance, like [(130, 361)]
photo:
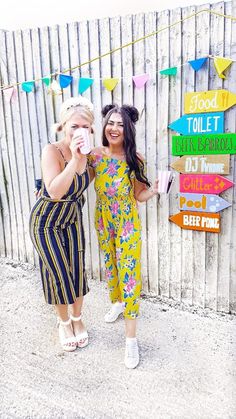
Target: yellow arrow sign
[(210, 101)]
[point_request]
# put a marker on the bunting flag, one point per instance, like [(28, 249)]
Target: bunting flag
[(10, 94), (55, 88), (65, 80), (46, 80), (27, 86), (221, 64), (110, 84), (84, 84), (172, 71), (140, 80), (198, 63)]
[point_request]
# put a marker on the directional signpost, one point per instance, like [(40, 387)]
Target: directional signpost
[(205, 151), (202, 203), (204, 144), (210, 123), (204, 221), (207, 184), (210, 101), (218, 163)]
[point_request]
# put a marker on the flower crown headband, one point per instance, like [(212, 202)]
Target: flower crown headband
[(74, 102)]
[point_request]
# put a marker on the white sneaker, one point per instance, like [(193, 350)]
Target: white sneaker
[(131, 353), (114, 312)]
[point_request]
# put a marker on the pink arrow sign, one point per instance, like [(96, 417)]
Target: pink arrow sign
[(208, 184)]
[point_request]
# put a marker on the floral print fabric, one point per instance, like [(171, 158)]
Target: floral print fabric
[(119, 230)]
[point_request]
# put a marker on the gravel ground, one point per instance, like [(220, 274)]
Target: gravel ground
[(187, 367)]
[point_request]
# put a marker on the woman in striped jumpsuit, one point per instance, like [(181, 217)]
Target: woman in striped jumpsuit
[(56, 225)]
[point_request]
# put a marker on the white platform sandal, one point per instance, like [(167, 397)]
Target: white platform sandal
[(81, 338), (68, 344)]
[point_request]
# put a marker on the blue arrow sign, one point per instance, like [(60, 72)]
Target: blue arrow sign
[(201, 203), (199, 123)]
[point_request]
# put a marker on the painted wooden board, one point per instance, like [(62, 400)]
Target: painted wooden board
[(209, 101), (191, 220), (151, 150), (210, 184), (201, 202), (201, 83), (204, 144), (139, 100), (171, 265), (216, 163), (192, 124)]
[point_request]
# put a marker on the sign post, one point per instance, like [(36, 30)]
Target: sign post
[(201, 203), (210, 101), (207, 123), (217, 163), (197, 221), (209, 184), (204, 144)]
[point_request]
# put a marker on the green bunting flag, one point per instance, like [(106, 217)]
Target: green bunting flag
[(172, 71), (46, 80)]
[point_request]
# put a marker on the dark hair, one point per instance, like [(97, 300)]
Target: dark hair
[(129, 116)]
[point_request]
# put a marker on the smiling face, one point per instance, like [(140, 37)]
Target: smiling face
[(114, 130), (74, 122)]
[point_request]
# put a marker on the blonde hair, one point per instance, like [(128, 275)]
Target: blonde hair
[(75, 104)]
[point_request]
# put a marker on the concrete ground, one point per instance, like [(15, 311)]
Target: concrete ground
[(187, 367)]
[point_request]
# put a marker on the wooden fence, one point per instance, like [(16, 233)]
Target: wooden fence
[(192, 267)]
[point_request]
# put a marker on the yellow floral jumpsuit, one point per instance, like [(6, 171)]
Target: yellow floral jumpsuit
[(119, 230)]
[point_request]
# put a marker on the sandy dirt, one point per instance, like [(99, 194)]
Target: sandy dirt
[(187, 367)]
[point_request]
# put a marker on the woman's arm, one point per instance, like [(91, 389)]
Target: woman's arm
[(142, 193), (57, 180), (91, 174)]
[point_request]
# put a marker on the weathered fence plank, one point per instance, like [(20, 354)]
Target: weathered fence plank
[(175, 103)]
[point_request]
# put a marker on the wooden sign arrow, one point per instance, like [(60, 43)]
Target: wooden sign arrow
[(210, 101), (211, 123), (204, 184), (201, 203), (204, 144), (216, 163), (204, 221)]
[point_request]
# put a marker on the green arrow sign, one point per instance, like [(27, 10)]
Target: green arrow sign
[(204, 144)]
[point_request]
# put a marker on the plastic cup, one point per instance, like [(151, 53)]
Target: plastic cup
[(164, 177), (83, 132)]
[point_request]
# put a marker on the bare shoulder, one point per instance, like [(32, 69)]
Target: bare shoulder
[(98, 150), (49, 152), (49, 148)]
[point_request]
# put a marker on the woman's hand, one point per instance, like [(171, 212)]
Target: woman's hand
[(154, 188), (75, 146)]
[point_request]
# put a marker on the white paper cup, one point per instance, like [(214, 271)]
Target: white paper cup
[(163, 178), (83, 132)]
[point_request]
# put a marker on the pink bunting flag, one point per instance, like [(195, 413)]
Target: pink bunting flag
[(140, 80), (10, 94)]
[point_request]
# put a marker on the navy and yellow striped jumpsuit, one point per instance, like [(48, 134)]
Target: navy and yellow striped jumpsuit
[(56, 230)]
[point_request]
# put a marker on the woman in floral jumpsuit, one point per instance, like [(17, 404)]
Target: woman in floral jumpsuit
[(119, 182)]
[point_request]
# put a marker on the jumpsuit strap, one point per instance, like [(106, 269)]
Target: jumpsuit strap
[(62, 155)]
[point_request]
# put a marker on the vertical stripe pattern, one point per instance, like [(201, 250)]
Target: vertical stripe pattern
[(56, 230)]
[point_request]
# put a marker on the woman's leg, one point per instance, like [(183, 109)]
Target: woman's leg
[(130, 327), (76, 310), (66, 334)]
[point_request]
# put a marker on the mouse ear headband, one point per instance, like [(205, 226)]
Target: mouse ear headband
[(131, 111)]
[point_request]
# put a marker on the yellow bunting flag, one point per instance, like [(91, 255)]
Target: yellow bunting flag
[(221, 64), (55, 88), (110, 84)]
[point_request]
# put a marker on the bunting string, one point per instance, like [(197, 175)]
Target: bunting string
[(53, 75)]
